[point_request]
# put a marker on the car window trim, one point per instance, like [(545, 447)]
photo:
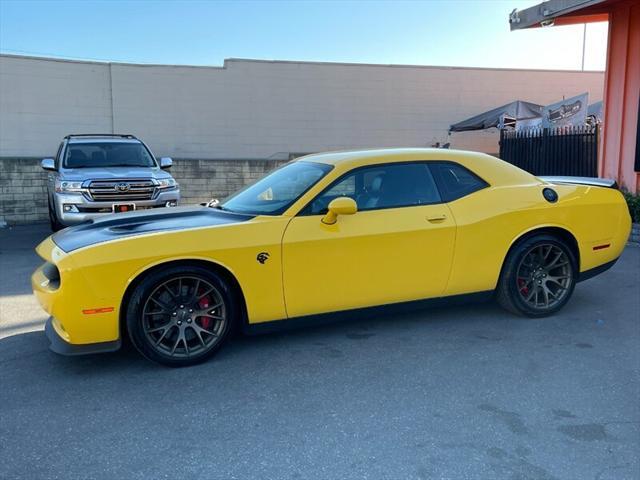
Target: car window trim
[(57, 160), (303, 213), (474, 174)]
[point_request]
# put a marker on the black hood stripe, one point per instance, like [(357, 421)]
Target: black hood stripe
[(123, 225)]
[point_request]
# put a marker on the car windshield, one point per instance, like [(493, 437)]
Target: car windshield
[(276, 192), (107, 154)]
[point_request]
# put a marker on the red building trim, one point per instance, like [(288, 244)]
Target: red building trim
[(620, 142)]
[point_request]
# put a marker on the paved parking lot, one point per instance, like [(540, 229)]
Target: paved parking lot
[(466, 392)]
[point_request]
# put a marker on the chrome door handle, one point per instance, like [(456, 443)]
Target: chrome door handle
[(437, 218)]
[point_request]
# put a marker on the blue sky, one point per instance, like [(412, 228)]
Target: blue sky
[(200, 32)]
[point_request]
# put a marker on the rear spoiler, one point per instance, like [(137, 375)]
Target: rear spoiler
[(592, 181)]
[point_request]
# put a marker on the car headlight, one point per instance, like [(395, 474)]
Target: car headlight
[(64, 186), (166, 183)]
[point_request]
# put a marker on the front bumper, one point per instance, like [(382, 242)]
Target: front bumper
[(72, 303), (60, 346), (86, 206)]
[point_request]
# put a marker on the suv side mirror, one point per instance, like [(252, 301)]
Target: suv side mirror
[(339, 206), (166, 162), (48, 164)]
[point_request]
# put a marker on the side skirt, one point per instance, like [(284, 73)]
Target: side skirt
[(345, 315)]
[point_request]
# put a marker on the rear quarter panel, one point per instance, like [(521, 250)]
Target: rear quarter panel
[(490, 221)]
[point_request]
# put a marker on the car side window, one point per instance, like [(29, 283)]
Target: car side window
[(381, 186), (455, 181)]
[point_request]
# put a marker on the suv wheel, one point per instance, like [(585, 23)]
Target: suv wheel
[(53, 219), (538, 277), (180, 316)]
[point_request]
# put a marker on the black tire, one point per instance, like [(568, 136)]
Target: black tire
[(162, 313), (527, 275), (53, 219)]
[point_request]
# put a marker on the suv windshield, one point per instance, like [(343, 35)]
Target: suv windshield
[(107, 154), (277, 191)]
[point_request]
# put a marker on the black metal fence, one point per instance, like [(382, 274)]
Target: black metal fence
[(562, 151)]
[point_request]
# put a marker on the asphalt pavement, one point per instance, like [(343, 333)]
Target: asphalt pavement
[(466, 392)]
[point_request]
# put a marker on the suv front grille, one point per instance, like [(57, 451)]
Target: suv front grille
[(118, 190)]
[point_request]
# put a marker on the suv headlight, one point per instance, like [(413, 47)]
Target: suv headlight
[(166, 183), (63, 186)]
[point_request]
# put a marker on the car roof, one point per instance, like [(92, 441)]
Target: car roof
[(99, 139), (389, 154), (488, 167)]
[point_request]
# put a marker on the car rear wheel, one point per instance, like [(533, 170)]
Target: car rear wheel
[(538, 277), (180, 316)]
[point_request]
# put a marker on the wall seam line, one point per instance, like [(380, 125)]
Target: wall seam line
[(111, 97)]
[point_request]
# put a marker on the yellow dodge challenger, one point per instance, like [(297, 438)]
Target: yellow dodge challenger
[(332, 233)]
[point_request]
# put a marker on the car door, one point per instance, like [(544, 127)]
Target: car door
[(397, 247)]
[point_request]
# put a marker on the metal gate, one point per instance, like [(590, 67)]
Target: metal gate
[(561, 151)]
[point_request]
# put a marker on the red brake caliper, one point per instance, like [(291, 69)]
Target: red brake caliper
[(203, 303), (521, 284)]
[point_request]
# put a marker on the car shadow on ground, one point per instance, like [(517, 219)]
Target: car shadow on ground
[(471, 323), (510, 396), (34, 346)]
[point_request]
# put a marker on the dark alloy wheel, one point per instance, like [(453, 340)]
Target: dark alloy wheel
[(543, 276), (538, 277), (180, 316)]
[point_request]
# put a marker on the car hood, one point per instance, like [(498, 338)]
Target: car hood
[(112, 173), (120, 225)]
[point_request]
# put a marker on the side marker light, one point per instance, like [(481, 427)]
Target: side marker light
[(91, 311)]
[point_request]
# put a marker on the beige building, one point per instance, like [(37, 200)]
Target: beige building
[(226, 126), (261, 109)]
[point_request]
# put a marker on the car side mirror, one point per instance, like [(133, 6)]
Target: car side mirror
[(48, 164), (339, 206), (166, 162)]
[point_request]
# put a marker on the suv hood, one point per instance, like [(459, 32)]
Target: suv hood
[(120, 225), (112, 173)]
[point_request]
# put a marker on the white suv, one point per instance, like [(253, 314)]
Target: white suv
[(93, 175)]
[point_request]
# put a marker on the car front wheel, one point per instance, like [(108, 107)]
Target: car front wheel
[(538, 277), (180, 316), (53, 219)]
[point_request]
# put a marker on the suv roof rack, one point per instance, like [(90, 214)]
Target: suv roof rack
[(119, 135)]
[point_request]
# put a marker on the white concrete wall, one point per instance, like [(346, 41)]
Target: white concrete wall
[(41, 101), (256, 109)]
